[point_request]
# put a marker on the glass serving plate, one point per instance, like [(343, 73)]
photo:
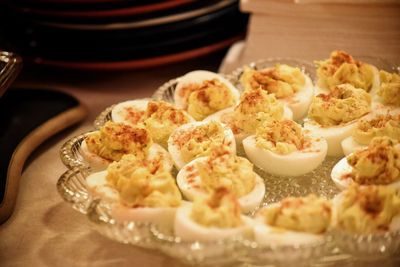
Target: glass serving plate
[(71, 154), (337, 247), (104, 116)]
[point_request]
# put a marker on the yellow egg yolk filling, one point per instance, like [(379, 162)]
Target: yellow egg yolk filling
[(309, 214), (206, 98), (143, 183), (114, 140), (381, 125), (255, 107), (221, 209), (282, 137), (134, 116), (341, 68), (389, 91), (161, 119), (200, 141), (281, 80), (343, 104), (225, 169), (378, 164), (367, 209)]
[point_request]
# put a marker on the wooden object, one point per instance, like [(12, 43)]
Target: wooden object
[(312, 29), (51, 117)]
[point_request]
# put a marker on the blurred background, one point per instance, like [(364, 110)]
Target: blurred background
[(118, 34)]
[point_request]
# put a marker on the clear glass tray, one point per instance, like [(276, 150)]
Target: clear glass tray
[(104, 116), (373, 248)]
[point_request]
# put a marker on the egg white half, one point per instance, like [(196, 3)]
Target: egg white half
[(162, 216), (98, 186), (219, 116), (240, 134), (189, 230), (197, 77), (98, 163), (333, 135), (190, 184), (269, 235), (342, 169), (294, 164), (301, 100), (349, 145), (95, 162), (376, 81), (174, 149), (120, 112)]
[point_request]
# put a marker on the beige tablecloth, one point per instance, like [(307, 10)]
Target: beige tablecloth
[(45, 231)]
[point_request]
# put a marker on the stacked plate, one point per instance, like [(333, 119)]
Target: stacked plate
[(121, 34)]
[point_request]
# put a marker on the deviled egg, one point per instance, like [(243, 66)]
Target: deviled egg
[(158, 117), (213, 218), (141, 190), (203, 93), (130, 112), (222, 168), (342, 68), (377, 164), (293, 221), (114, 140), (162, 119), (333, 116), (367, 209), (255, 107), (199, 139), (289, 85), (388, 93), (378, 123), (284, 148)]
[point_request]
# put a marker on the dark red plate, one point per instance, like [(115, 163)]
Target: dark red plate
[(100, 12), (140, 63)]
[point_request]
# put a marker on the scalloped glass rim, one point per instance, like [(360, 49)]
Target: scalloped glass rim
[(368, 246), (299, 255), (103, 117), (166, 91), (243, 250), (72, 188), (221, 251), (127, 232), (70, 152)]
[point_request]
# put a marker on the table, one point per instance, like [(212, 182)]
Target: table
[(46, 231)]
